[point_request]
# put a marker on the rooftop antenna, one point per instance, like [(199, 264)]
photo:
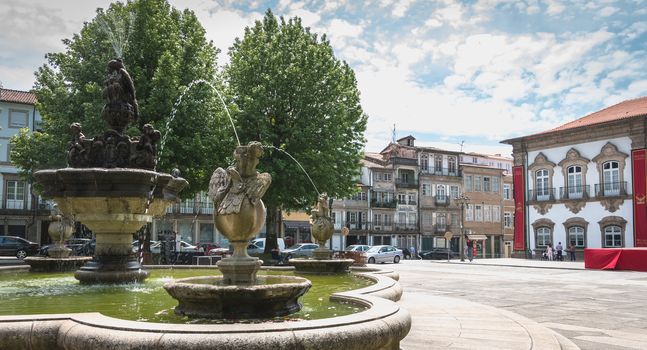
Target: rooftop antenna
[(393, 134), (461, 144)]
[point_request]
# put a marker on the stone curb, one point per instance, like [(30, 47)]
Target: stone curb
[(510, 265)]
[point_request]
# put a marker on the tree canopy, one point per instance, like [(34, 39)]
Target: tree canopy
[(164, 50), (294, 94)]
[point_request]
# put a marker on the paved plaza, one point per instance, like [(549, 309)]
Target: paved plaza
[(522, 304)]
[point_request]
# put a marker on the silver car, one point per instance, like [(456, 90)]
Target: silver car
[(383, 253), (299, 250), (357, 248)]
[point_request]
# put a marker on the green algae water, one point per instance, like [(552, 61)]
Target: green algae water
[(53, 293)]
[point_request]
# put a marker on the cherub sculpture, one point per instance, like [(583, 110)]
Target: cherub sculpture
[(76, 155), (231, 188)]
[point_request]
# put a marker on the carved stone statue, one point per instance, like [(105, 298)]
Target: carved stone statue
[(113, 149), (119, 93), (77, 153), (239, 211), (322, 226)]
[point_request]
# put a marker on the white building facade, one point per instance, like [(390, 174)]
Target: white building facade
[(579, 182)]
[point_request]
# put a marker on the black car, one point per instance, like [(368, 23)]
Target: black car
[(438, 254), (18, 247), (79, 246)]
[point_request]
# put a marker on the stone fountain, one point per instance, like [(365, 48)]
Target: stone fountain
[(322, 230), (58, 260), (110, 184), (239, 215)]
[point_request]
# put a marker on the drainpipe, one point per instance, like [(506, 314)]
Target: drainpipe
[(525, 204)]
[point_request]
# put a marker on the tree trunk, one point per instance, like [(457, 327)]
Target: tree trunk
[(272, 226)]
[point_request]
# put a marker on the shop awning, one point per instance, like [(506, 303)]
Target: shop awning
[(475, 237)]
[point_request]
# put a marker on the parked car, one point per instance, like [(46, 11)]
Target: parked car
[(357, 248), (384, 253), (257, 246), (135, 245), (79, 246), (221, 251), (184, 247), (299, 250), (438, 254), (18, 247)]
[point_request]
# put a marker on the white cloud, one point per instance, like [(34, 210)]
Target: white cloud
[(554, 7), (608, 11)]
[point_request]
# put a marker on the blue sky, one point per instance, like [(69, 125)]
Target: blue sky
[(477, 71)]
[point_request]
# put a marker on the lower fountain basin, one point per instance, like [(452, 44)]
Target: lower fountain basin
[(321, 267), (43, 264), (209, 297)]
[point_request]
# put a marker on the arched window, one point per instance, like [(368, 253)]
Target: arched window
[(541, 181), (543, 236), (612, 236), (576, 236), (575, 186), (611, 178)]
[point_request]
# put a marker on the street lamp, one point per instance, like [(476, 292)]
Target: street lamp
[(462, 200)]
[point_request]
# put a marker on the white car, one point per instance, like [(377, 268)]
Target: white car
[(384, 253), (357, 248), (184, 247)]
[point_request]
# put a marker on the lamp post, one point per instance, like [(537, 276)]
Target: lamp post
[(462, 200)]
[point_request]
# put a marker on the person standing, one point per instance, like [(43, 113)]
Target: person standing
[(559, 250), (550, 252), (571, 251)]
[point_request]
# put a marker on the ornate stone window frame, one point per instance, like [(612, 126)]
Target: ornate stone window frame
[(543, 222), (541, 162), (579, 222), (608, 153), (613, 220), (573, 158)]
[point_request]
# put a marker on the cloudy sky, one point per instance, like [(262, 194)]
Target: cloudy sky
[(474, 71)]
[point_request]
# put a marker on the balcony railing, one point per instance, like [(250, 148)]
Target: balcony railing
[(611, 189), (406, 227), (406, 183), (441, 171), (442, 200), (381, 204), (379, 226), (541, 194), (574, 192), (441, 228)]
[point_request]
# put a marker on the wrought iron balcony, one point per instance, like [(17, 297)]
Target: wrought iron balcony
[(541, 194), (611, 189), (384, 204), (409, 183), (574, 192), (441, 171), (441, 228), (406, 227), (442, 200)]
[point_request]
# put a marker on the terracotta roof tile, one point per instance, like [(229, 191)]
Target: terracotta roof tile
[(622, 110), (15, 96)]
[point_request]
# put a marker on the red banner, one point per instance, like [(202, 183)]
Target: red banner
[(639, 169), (519, 211)]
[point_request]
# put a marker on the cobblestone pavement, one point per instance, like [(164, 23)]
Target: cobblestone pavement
[(490, 304)]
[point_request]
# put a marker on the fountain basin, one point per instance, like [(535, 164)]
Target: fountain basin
[(321, 267), (43, 264), (209, 297), (381, 326), (114, 203)]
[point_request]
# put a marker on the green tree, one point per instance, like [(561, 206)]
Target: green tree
[(164, 50), (293, 94)]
